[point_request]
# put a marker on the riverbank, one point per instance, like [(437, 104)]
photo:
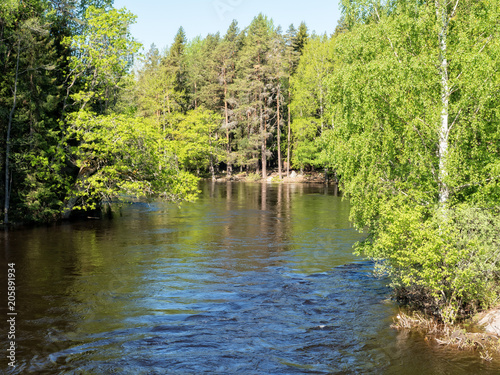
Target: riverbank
[(273, 176), (480, 334)]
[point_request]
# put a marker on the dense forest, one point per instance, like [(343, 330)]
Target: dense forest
[(402, 101)]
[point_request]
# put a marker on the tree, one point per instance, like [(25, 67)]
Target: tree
[(279, 66), (225, 58), (309, 93), (301, 38), (117, 156), (103, 53), (149, 88), (292, 57), (252, 84), (202, 72), (174, 70), (29, 97), (102, 56), (415, 140), (197, 140)]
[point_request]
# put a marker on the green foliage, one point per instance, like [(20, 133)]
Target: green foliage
[(103, 53), (305, 150), (174, 72), (253, 177), (301, 38), (254, 74), (120, 156), (309, 92), (245, 76), (450, 267), (198, 144), (409, 124), (29, 103), (7, 8), (45, 183), (276, 179)]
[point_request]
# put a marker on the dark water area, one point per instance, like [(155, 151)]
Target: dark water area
[(250, 279)]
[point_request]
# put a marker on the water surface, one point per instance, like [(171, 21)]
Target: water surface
[(250, 279)]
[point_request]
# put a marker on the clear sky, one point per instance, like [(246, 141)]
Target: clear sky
[(159, 20)]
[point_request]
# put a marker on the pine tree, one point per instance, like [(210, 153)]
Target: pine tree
[(33, 105), (301, 38), (279, 71), (252, 83), (203, 80), (225, 58), (292, 59), (175, 70)]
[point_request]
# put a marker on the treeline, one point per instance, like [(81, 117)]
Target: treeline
[(80, 129), (69, 142), (226, 101)]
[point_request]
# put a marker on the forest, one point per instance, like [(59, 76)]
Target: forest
[(401, 101)]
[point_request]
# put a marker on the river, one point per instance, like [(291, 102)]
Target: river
[(249, 279)]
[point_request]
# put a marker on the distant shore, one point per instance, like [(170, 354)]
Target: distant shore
[(273, 176)]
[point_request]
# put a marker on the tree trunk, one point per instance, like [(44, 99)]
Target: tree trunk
[(279, 135), (442, 19), (263, 144), (289, 134), (212, 169), (7, 140), (228, 146)]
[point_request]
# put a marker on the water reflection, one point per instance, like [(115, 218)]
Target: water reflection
[(252, 278)]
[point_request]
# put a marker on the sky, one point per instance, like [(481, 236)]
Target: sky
[(159, 20)]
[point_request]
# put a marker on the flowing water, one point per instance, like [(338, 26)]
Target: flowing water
[(250, 279)]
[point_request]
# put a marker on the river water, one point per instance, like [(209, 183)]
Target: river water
[(250, 279)]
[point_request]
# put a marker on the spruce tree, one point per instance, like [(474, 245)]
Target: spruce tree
[(252, 83)]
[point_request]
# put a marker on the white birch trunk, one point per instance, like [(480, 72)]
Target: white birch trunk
[(442, 19)]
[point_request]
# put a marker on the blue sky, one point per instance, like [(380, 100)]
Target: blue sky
[(159, 20)]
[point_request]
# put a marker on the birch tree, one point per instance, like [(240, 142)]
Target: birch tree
[(413, 103), (309, 90)]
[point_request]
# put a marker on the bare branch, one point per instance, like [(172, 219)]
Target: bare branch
[(453, 12)]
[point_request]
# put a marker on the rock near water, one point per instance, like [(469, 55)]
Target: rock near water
[(491, 321)]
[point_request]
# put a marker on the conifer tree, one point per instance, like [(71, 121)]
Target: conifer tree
[(175, 71), (301, 38), (225, 58), (292, 59), (254, 91)]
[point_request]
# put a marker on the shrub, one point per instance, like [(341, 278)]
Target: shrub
[(446, 262), (253, 177)]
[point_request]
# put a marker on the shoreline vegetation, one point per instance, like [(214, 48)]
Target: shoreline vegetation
[(400, 102), (471, 335)]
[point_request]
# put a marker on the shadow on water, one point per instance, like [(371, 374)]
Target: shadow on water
[(250, 279)]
